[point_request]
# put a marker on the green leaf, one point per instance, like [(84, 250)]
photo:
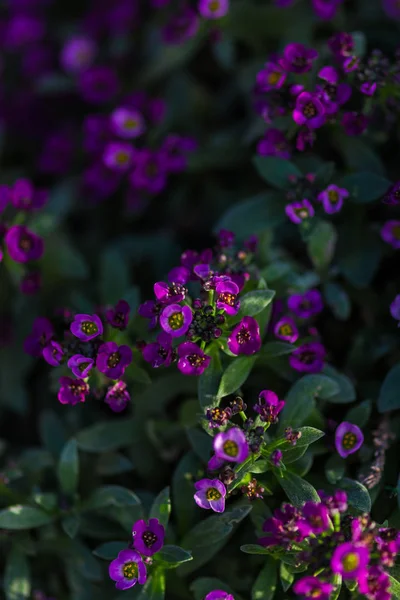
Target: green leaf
[(106, 436), (201, 443), (365, 186), (300, 401), (335, 468), (111, 495), (254, 215), (170, 557), (154, 588), (62, 260), (298, 490), (276, 171), (68, 467), (109, 550), (321, 244), (113, 464), (324, 173), (183, 479), (286, 576), (209, 381), (265, 585), (347, 392), (235, 375), (70, 525), (23, 517), (254, 549), (161, 507), (52, 432), (357, 495), (273, 349), (252, 303), (359, 254), (17, 580), (338, 300), (114, 276), (389, 396), (359, 155), (394, 588), (360, 414)]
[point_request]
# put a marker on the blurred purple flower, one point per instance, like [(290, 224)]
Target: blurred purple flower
[(72, 391), (311, 587), (53, 353), (308, 358), (350, 560), (24, 196), (98, 84), (274, 143), (80, 365), (159, 353), (332, 198), (182, 26), (309, 110), (306, 305), (22, 244), (231, 445), (78, 54), (354, 123), (298, 58), (390, 233), (42, 332), (299, 211), (117, 397), (286, 329)]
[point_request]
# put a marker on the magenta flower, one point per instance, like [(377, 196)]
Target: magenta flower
[(127, 570), (333, 93), (305, 137), (78, 54), (219, 595), (192, 360), (72, 391), (316, 516), (390, 233), (306, 305), (269, 406), (179, 275), (227, 297), (335, 504), (309, 110), (341, 44), (299, 211), (5, 196), (176, 319), (245, 337), (350, 560), (213, 9), (176, 149), (368, 88), (284, 528), (127, 123), (308, 358), (150, 310), (149, 173), (118, 317), (297, 58), (53, 353), (118, 156), (169, 294), (22, 244), (286, 329), (276, 458), (24, 196), (395, 308), (326, 9), (332, 198), (231, 445), (348, 439), (272, 76), (148, 538), (274, 143), (98, 84), (80, 365), (351, 63), (375, 583), (42, 332), (210, 494), (117, 397), (354, 123), (182, 26), (312, 587), (86, 327), (160, 352), (112, 359)]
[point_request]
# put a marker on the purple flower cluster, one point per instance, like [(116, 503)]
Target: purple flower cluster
[(220, 275), (129, 567), (328, 543)]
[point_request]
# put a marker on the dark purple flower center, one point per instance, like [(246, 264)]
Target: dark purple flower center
[(231, 448), (113, 360), (83, 366), (213, 494), (299, 61), (149, 538), (330, 89), (130, 570), (309, 110), (227, 298), (349, 440), (76, 388), (89, 328), (243, 336), (176, 320), (119, 318), (152, 169), (307, 357), (25, 243), (195, 360), (333, 196)]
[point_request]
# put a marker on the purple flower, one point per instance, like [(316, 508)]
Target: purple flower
[(117, 396), (308, 358), (210, 494), (305, 137), (226, 238), (24, 196), (42, 332), (118, 156), (53, 353), (306, 305), (213, 9), (148, 538), (127, 570), (179, 275), (22, 244), (175, 149), (309, 110), (175, 319), (72, 391), (149, 172), (284, 528), (272, 76), (312, 587), (269, 406), (169, 294), (231, 445), (317, 517), (368, 88), (286, 329), (86, 327), (5, 197), (227, 297), (332, 198), (112, 359), (150, 310), (375, 584), (127, 123), (351, 63), (326, 9), (299, 211), (118, 317), (160, 352), (341, 44), (392, 196), (297, 58), (182, 26), (354, 123), (391, 8), (192, 360), (348, 439), (395, 308), (333, 93), (390, 233), (350, 560), (219, 595), (80, 365), (276, 458), (98, 84), (336, 503), (274, 143), (78, 54), (245, 337)]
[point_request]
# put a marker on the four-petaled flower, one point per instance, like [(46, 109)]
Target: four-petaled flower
[(231, 445), (210, 494), (348, 439), (148, 538), (86, 327), (127, 569)]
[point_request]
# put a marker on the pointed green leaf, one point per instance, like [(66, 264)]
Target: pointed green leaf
[(235, 375), (161, 508), (68, 467)]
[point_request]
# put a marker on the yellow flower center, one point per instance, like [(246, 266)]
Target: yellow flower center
[(349, 440), (175, 321), (273, 78), (231, 448), (286, 329), (131, 124), (309, 110), (122, 157), (214, 5), (213, 494), (130, 570), (350, 562), (227, 298), (89, 327), (333, 196)]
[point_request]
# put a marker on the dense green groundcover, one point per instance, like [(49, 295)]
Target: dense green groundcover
[(76, 475)]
